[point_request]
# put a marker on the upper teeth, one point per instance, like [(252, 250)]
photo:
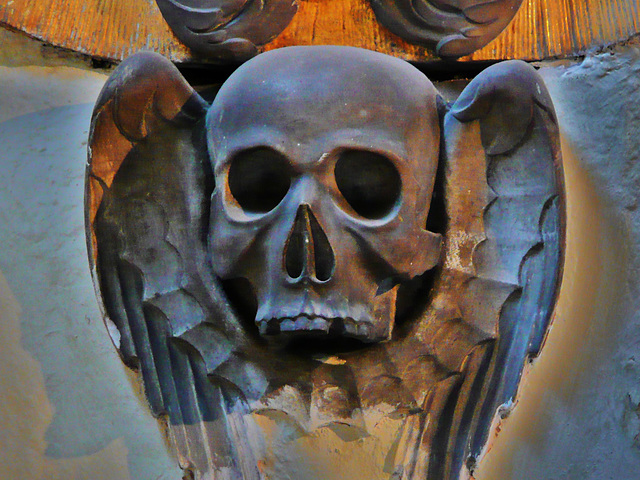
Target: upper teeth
[(316, 324)]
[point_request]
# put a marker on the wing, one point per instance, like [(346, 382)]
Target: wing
[(453, 27), (227, 29), (148, 191), (504, 241), (507, 237)]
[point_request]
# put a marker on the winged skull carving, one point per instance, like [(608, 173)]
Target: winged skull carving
[(454, 28), (328, 240)]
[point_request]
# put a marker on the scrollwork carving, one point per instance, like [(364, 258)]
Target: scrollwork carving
[(453, 28), (227, 29)]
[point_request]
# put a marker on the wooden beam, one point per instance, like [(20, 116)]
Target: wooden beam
[(114, 30)]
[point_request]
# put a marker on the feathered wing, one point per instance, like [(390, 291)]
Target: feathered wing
[(514, 263), (504, 241), (453, 27), (526, 221), (148, 190)]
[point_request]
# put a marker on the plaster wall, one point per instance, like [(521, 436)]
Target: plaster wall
[(578, 416), (71, 410)]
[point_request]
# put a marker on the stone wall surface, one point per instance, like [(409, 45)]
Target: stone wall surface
[(72, 411)]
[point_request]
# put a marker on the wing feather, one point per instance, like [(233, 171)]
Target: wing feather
[(504, 199), (149, 185), (519, 261)]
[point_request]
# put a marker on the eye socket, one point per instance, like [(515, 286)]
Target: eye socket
[(259, 178), (369, 182)]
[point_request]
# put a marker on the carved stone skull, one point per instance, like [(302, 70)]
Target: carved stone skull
[(324, 162)]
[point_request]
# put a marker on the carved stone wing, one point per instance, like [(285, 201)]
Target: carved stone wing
[(227, 29), (149, 184), (504, 242), (505, 238), (453, 27)]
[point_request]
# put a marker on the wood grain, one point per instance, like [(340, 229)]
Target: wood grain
[(114, 30)]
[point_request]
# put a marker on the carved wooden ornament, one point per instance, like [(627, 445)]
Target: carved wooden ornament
[(453, 28), (328, 244), (228, 29), (232, 29)]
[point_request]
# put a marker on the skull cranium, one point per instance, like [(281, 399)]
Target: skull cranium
[(324, 161)]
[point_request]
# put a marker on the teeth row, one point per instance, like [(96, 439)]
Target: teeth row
[(315, 324)]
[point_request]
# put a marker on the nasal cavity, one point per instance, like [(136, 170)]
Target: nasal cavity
[(308, 253)]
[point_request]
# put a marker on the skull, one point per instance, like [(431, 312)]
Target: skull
[(324, 161)]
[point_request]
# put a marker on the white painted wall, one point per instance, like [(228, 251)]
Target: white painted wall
[(70, 410)]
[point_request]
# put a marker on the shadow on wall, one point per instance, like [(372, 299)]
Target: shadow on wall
[(556, 397), (579, 409), (69, 409), (26, 413)]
